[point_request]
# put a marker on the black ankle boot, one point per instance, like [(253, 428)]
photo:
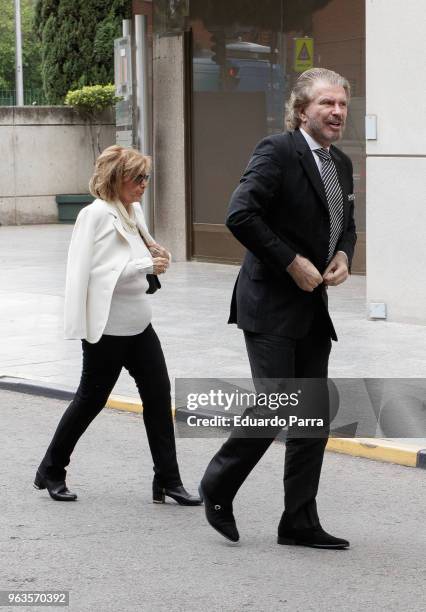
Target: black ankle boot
[(178, 493), (57, 488), (315, 537)]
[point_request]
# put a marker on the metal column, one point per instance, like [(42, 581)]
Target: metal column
[(18, 55), (142, 104)]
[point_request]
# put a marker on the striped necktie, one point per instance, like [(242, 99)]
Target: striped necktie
[(334, 195)]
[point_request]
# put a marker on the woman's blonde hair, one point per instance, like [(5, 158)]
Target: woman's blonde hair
[(301, 94), (113, 166)]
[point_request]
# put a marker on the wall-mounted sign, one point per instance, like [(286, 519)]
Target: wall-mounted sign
[(371, 127), (303, 54), (124, 138), (123, 114), (123, 66), (123, 87)]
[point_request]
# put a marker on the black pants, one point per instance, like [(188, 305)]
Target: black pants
[(278, 357), (143, 357)]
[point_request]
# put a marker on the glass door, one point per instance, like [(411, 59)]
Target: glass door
[(245, 58)]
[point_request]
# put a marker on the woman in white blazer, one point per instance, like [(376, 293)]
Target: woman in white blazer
[(107, 308)]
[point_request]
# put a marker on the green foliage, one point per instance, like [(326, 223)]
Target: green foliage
[(31, 48), (78, 43), (92, 99)]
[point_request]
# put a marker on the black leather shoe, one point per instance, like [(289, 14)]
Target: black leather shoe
[(220, 517), (179, 494), (315, 537), (57, 488)]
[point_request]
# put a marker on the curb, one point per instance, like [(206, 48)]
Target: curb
[(376, 449), (379, 449), (32, 387)]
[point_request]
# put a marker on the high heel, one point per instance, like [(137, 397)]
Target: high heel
[(57, 489), (158, 494), (178, 493), (39, 482)]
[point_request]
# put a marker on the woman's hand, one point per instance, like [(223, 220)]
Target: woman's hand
[(160, 265), (157, 250)]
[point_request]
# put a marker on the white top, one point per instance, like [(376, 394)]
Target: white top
[(130, 312)]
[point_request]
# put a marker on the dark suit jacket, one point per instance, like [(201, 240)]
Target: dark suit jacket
[(278, 210)]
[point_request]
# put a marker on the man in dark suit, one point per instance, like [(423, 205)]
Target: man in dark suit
[(293, 211)]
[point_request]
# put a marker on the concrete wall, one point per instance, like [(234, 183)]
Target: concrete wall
[(396, 161), (169, 145), (46, 151)]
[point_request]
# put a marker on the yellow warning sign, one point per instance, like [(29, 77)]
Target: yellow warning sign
[(303, 54)]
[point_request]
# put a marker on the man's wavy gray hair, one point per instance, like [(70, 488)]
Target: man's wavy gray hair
[(301, 94)]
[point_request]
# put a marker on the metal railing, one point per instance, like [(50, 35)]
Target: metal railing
[(32, 97)]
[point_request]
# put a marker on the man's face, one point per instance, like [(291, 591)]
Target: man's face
[(324, 117)]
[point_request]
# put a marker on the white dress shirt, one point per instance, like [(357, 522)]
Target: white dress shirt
[(313, 144)]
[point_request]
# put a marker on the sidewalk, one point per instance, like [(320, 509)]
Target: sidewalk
[(190, 314)]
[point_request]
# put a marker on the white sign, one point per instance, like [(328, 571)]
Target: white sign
[(124, 138)]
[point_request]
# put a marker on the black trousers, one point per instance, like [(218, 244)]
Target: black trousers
[(143, 357), (278, 357)]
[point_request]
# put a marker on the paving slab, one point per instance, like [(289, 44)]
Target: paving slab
[(190, 316)]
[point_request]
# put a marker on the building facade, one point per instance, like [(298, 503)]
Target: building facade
[(220, 74)]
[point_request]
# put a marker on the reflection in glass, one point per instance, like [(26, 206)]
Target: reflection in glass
[(170, 16), (245, 62)]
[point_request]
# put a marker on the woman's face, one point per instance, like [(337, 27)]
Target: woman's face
[(132, 189)]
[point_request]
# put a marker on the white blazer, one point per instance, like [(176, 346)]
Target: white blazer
[(98, 253)]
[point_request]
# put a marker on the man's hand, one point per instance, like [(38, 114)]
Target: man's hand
[(337, 270), (304, 273), (160, 265)]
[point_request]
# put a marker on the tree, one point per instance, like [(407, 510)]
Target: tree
[(77, 43), (31, 52), (89, 101)]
